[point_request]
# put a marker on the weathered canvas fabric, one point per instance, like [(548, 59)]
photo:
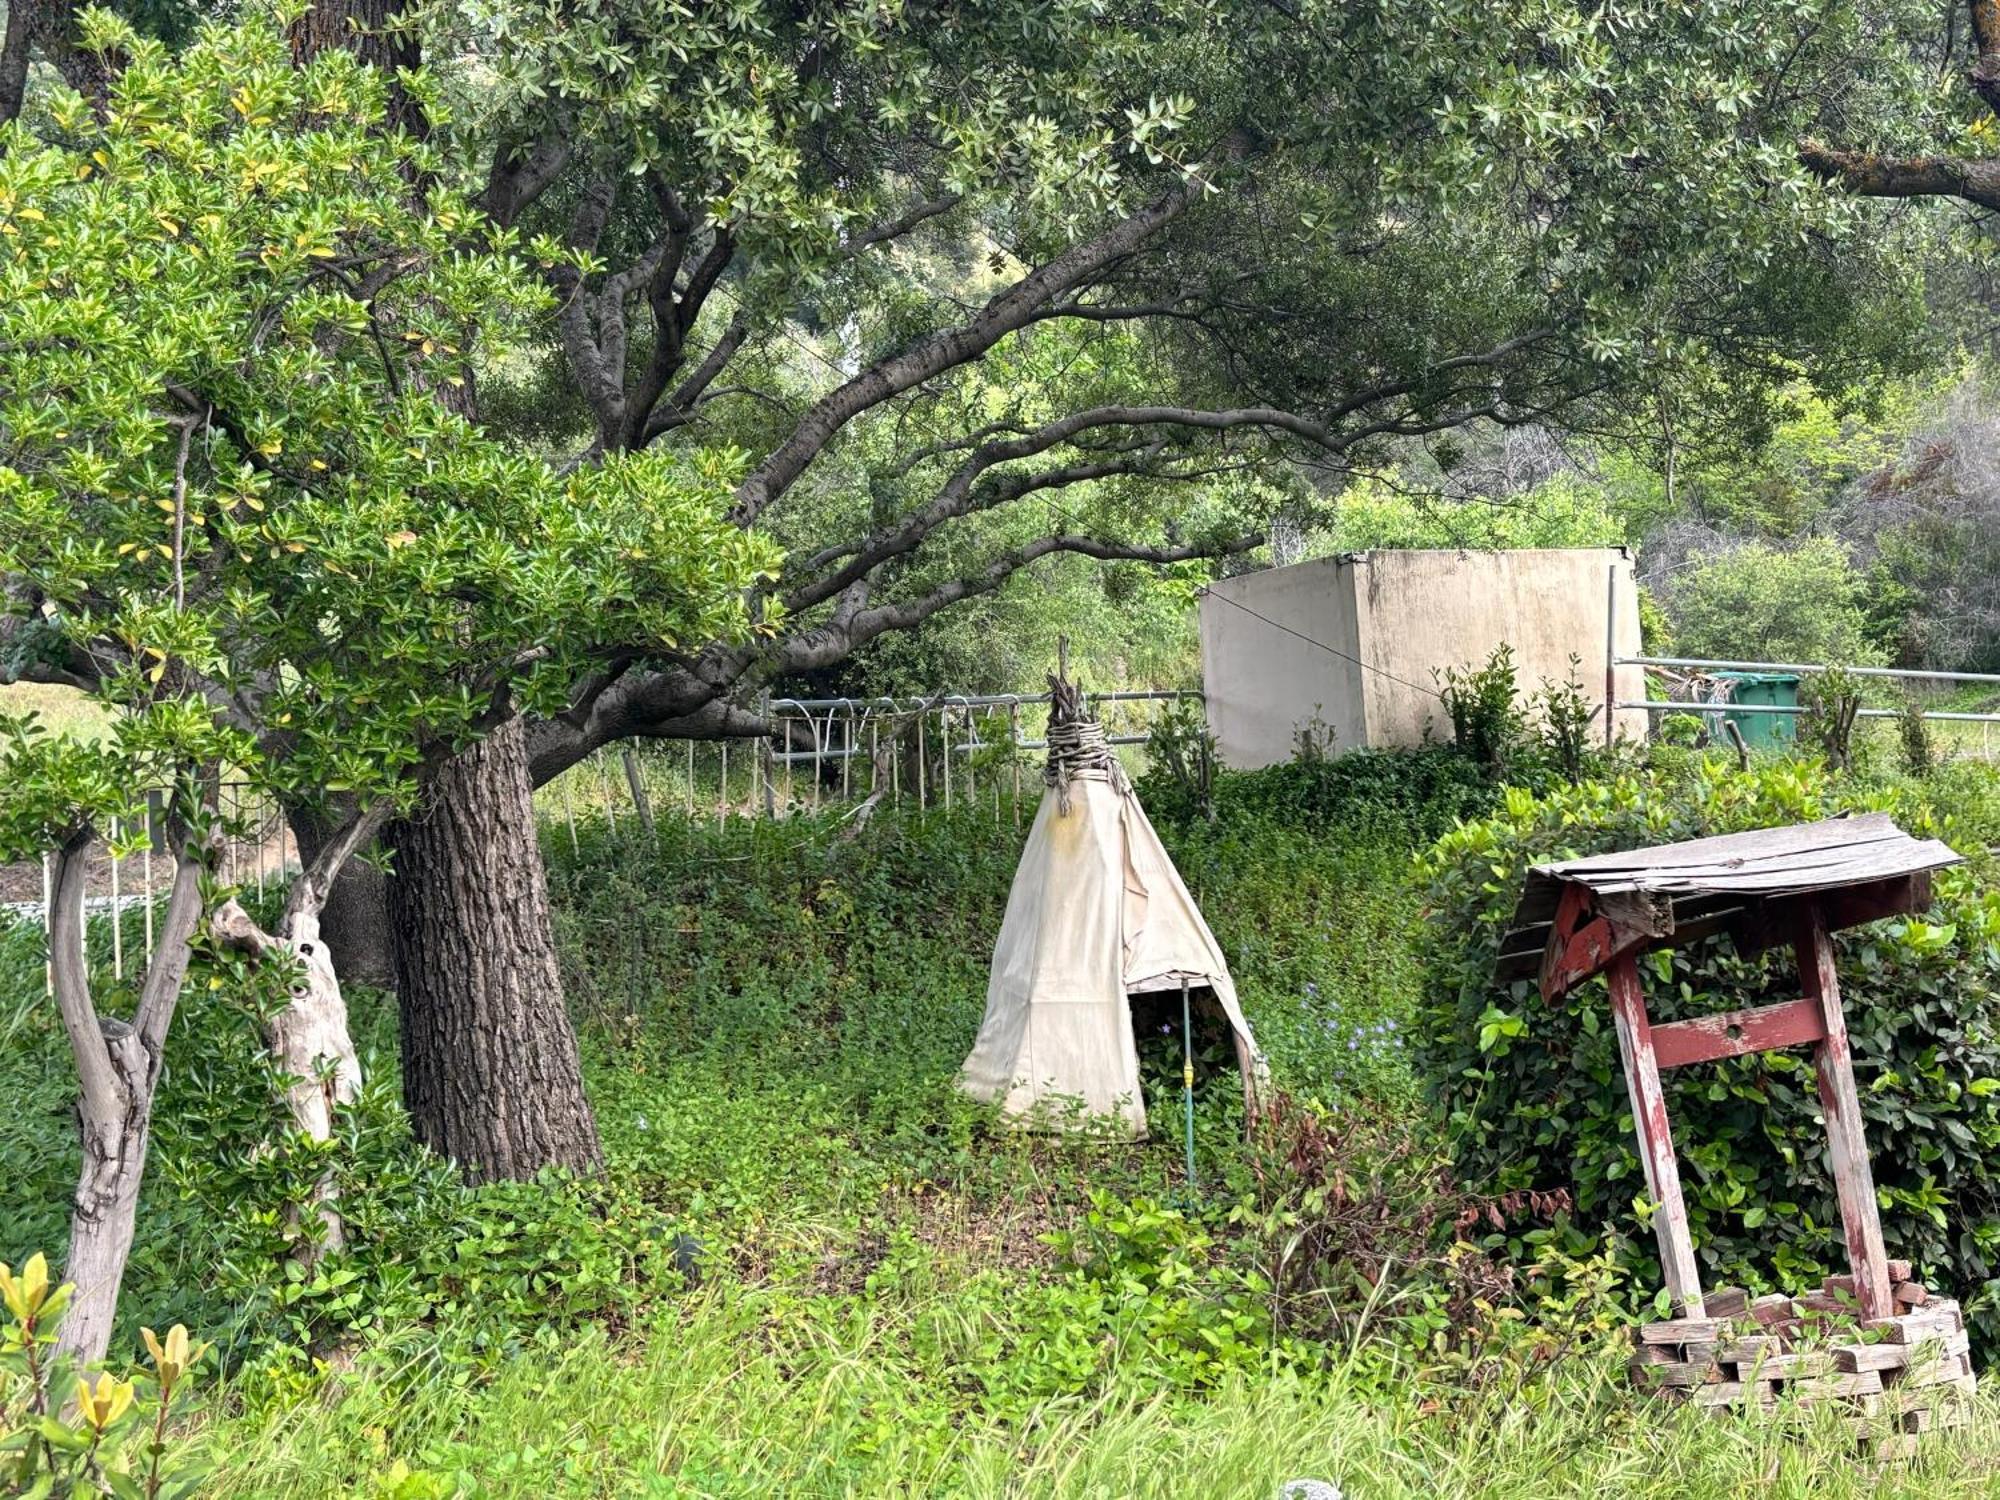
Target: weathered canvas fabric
[(1097, 912)]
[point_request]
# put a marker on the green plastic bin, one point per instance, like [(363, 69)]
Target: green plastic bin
[(1778, 689)]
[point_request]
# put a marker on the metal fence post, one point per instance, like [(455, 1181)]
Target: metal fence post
[(846, 751), (640, 802), (1014, 753)]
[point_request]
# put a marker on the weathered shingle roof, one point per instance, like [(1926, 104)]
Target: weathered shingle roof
[(1705, 878)]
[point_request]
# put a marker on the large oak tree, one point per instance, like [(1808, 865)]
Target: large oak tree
[(1310, 231), (975, 284), (237, 508)]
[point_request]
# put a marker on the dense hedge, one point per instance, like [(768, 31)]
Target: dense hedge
[(1534, 1096)]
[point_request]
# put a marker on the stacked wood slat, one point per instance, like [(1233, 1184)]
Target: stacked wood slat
[(1894, 1377)]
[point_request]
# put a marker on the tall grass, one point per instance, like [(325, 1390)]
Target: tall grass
[(733, 1400)]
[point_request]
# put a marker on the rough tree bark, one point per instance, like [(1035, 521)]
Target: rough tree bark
[(355, 921), (491, 1076)]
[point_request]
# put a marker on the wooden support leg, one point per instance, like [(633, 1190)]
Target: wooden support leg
[(1853, 1179), (1656, 1143)]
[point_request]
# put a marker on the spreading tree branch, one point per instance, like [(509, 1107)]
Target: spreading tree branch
[(1008, 310), (822, 645), (1867, 176)]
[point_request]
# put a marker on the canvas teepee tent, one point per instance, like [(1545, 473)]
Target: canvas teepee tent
[(1097, 913)]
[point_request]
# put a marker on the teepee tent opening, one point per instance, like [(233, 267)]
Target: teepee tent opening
[(1097, 914)]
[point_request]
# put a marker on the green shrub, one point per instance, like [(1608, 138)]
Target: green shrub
[(1759, 602), (65, 1435), (1398, 798), (1483, 704), (1533, 1093)]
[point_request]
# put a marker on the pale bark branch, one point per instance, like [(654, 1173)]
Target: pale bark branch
[(161, 990), (903, 223), (313, 885), (97, 1080)]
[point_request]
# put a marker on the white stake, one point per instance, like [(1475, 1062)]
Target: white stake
[(117, 912)]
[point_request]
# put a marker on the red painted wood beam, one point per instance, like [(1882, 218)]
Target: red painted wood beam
[(1656, 1142), (1733, 1033), (1853, 1179)]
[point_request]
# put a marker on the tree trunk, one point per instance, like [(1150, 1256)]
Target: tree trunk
[(355, 920), (490, 1070), (309, 1044), (105, 1215)]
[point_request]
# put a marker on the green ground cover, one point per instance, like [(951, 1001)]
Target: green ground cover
[(813, 1269)]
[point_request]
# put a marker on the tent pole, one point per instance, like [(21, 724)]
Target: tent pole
[(1187, 1076)]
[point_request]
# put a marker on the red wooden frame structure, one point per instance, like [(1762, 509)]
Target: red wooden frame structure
[(1778, 886)]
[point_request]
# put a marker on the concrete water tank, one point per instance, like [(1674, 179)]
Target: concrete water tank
[(1346, 647)]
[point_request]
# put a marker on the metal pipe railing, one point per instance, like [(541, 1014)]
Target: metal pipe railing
[(1705, 664), (1662, 705)]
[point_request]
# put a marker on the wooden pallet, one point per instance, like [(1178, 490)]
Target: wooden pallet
[(1893, 1378)]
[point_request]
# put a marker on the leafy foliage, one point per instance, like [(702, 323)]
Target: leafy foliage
[(1764, 602), (1399, 797), (63, 1434), (232, 328)]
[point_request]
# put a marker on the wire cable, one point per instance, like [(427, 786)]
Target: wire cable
[(1209, 593)]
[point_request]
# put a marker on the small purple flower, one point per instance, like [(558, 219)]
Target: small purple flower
[(1312, 989)]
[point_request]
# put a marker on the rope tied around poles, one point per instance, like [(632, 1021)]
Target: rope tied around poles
[(1077, 744)]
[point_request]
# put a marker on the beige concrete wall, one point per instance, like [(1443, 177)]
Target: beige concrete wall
[(1266, 669), (1422, 611), (1404, 614)]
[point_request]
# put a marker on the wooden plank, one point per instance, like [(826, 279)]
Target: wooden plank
[(1805, 1365), (1774, 1307), (1724, 1301), (1854, 1357), (1733, 1033), (1833, 1067), (1894, 897), (1656, 1143), (1868, 866), (1693, 1329), (1938, 1320), (1637, 914), (1652, 1375), (1576, 946), (1724, 848)]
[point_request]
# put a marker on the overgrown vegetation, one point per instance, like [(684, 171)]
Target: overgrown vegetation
[(812, 1263)]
